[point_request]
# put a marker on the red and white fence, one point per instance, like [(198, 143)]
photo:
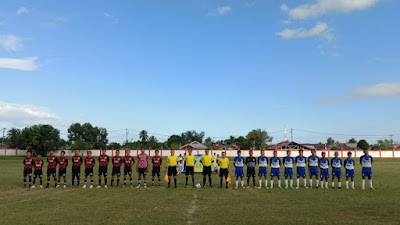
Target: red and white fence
[(385, 154)]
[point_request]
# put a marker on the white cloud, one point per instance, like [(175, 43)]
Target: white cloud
[(320, 29), (112, 18), (25, 64), (10, 42), (22, 10), (373, 91), (322, 7), (223, 10)]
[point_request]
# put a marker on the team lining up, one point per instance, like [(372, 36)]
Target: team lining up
[(316, 165)]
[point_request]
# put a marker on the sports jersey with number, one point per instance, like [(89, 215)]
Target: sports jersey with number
[(77, 160), (52, 161), (128, 160), (275, 162), (262, 161), (38, 164), (288, 162), (324, 163), (336, 163), (117, 161), (366, 161), (349, 164), (313, 161), (89, 162), (251, 161), (28, 163), (239, 161), (301, 161)]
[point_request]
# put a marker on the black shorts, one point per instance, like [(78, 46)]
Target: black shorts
[(103, 170), (128, 170), (142, 171), (156, 171), (116, 171), (51, 171), (62, 172), (38, 173), (172, 171), (27, 172), (189, 170), (207, 170), (251, 172), (88, 172), (223, 173), (76, 171)]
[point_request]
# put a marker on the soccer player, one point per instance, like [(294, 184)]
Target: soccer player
[(223, 164), (172, 161), (117, 163), (190, 160), (275, 163), (349, 165), (262, 169), (142, 168), (336, 164), (313, 168), (366, 163), (251, 171), (239, 174), (288, 163), (128, 162), (324, 167), (103, 167), (157, 161), (52, 162), (62, 170), (28, 163), (76, 168), (38, 165), (301, 169), (207, 160), (89, 164)]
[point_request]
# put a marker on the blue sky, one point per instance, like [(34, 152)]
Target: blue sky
[(223, 67)]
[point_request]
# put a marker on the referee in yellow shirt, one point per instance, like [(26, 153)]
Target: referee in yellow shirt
[(190, 161), (207, 160), (172, 161), (224, 169)]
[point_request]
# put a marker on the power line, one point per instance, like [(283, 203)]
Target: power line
[(333, 134)]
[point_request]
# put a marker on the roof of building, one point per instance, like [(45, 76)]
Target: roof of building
[(289, 145), (194, 145)]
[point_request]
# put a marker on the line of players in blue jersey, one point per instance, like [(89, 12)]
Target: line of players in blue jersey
[(317, 167)]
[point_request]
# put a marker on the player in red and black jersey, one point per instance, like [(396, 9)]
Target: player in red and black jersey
[(62, 169), (128, 162), (116, 162), (76, 168), (89, 164), (51, 168), (28, 163), (38, 166), (157, 161), (103, 166)]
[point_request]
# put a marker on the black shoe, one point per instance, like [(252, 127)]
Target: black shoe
[(340, 187), (333, 187), (210, 186), (186, 186), (227, 187), (176, 187)]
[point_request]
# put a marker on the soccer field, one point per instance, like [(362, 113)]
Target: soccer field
[(200, 206)]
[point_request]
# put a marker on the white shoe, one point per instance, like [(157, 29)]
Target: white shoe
[(41, 186), (327, 188), (322, 187), (33, 186), (84, 186), (105, 186), (243, 187), (144, 186), (306, 187), (297, 187), (138, 186), (91, 186), (353, 188), (65, 186), (99, 186)]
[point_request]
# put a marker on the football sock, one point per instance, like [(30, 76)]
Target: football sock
[(204, 181), (305, 182), (124, 180), (159, 181), (347, 184), (363, 183), (152, 182), (333, 184), (175, 181), (193, 181), (237, 183), (254, 181), (221, 182), (91, 182), (73, 180), (272, 183), (260, 183), (352, 184), (210, 180), (139, 181), (370, 183), (339, 184), (145, 181), (317, 183), (131, 181), (242, 183), (248, 181), (326, 184), (298, 182), (41, 182), (310, 182), (34, 181), (24, 182), (187, 181), (48, 182), (99, 182), (112, 182), (266, 183), (279, 183), (286, 182), (291, 183), (78, 180), (84, 182), (105, 181)]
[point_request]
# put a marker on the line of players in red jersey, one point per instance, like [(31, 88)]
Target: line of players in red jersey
[(117, 161)]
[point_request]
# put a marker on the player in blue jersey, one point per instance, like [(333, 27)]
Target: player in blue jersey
[(301, 169), (239, 162), (313, 168), (349, 165), (324, 167), (336, 164), (262, 169), (288, 163), (275, 163), (366, 163)]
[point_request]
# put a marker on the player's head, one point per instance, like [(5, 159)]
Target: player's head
[(207, 151), (117, 152), (172, 151), (76, 152), (262, 152), (142, 150), (128, 152), (288, 153), (104, 151), (89, 153), (51, 152), (313, 152), (190, 151), (28, 154), (349, 154), (223, 155), (251, 152), (39, 155), (180, 155), (323, 154), (301, 152), (366, 151), (336, 154), (62, 153), (275, 153), (157, 151), (239, 153), (217, 155)]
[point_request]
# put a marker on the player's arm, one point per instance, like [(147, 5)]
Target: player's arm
[(361, 160), (372, 160), (166, 166), (66, 162)]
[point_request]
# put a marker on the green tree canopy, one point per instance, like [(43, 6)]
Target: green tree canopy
[(86, 136), (258, 138), (40, 138), (363, 144)]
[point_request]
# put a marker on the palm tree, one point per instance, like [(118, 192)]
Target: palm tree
[(143, 136)]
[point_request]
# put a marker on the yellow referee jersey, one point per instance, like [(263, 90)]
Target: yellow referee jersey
[(190, 160), (172, 160), (207, 160), (223, 163)]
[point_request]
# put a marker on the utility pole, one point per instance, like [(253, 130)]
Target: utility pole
[(126, 142), (291, 134), (2, 142), (391, 138), (285, 133)]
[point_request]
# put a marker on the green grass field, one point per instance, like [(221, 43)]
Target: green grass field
[(200, 206)]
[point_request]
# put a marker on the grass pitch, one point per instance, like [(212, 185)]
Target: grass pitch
[(199, 206)]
